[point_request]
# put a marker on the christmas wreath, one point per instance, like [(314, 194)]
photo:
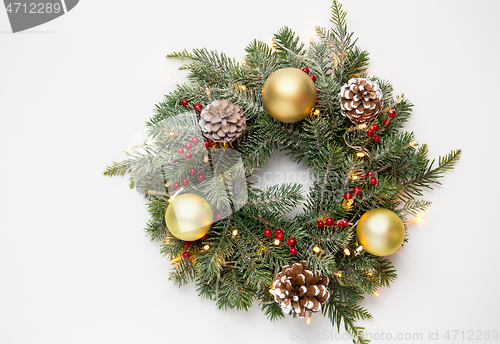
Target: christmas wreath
[(235, 241)]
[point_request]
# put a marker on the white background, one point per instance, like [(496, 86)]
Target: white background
[(75, 266)]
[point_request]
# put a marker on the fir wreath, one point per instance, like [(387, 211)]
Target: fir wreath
[(353, 171)]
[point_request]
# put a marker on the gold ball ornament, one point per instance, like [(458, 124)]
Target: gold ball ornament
[(289, 95), (189, 217), (380, 231)]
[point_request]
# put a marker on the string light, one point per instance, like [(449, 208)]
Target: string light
[(360, 154), (206, 247), (339, 274), (242, 87), (171, 80), (276, 242), (271, 291), (412, 143), (375, 293), (271, 44), (370, 274), (354, 177), (347, 252), (171, 133), (417, 219), (308, 321), (235, 233), (360, 250), (362, 126), (244, 62), (316, 249)]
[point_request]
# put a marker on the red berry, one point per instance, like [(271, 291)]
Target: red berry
[(201, 178), (189, 155), (176, 185), (184, 102), (195, 140), (279, 231), (292, 242), (185, 255), (342, 223), (361, 175), (376, 139), (218, 216), (329, 221), (280, 236), (180, 150), (293, 251), (305, 70), (187, 244), (188, 145), (387, 121), (348, 196), (356, 190), (321, 224), (205, 237), (313, 77), (375, 127), (184, 181), (192, 171), (267, 233), (207, 143), (370, 173), (391, 113), (370, 132), (197, 107), (373, 181)]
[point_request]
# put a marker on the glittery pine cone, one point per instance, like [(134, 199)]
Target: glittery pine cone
[(361, 100), (222, 121), (299, 289)]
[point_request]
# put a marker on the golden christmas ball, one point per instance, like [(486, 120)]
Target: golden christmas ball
[(189, 217), (380, 231), (289, 95)]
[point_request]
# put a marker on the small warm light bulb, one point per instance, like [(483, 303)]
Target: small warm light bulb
[(316, 249), (339, 274), (242, 87), (375, 293), (417, 219), (171, 133), (360, 154), (354, 177), (271, 291), (370, 274), (347, 252), (235, 233), (316, 112), (171, 80), (276, 242), (412, 143), (362, 126), (308, 321), (400, 99), (206, 247), (244, 62)]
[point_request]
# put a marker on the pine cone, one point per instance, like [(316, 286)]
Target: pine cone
[(299, 289), (361, 100), (222, 121)]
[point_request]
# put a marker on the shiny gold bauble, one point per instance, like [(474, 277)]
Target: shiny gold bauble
[(380, 231), (289, 95), (189, 217)]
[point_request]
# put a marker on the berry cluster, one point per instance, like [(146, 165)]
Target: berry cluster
[(312, 76), (374, 128), (188, 146), (197, 107), (331, 222), (280, 237)]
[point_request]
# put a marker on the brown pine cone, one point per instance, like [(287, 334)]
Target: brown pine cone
[(299, 289), (361, 100), (222, 121)]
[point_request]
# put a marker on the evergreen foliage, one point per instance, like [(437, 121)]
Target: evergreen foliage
[(237, 270)]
